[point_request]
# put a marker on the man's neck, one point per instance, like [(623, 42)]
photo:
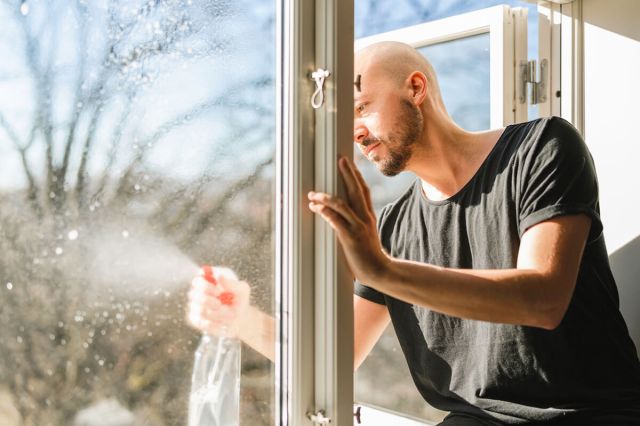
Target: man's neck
[(449, 157)]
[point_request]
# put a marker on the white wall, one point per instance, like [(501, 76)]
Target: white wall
[(612, 132)]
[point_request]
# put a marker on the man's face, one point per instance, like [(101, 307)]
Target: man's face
[(386, 124)]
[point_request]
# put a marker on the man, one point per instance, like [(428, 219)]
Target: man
[(492, 267)]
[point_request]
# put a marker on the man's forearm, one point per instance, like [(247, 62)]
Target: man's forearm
[(258, 331), (513, 296)]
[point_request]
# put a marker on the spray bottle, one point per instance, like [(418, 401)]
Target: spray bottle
[(215, 382)]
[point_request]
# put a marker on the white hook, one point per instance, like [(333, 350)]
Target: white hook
[(317, 99)]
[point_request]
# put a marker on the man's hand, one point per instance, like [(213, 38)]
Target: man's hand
[(218, 308), (354, 222)]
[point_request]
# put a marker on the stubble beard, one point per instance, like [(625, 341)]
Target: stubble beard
[(400, 143)]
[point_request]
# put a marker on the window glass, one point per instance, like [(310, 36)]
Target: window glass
[(137, 142), (462, 67)]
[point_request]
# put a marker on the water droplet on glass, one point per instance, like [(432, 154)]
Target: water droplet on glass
[(78, 318), (72, 235), (125, 234), (9, 286), (24, 8), (59, 250)]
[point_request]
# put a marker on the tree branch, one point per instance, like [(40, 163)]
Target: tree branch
[(203, 220)]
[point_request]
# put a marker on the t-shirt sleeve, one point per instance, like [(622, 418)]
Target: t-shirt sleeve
[(363, 290), (558, 177)]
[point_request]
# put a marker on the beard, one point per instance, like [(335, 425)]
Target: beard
[(400, 143)]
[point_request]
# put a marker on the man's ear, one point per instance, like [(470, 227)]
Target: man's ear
[(419, 86)]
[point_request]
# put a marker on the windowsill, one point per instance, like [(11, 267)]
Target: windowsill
[(374, 416)]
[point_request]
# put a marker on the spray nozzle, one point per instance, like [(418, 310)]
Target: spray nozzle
[(226, 297), (207, 273)]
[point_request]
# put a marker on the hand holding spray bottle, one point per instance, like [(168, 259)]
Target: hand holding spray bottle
[(215, 382)]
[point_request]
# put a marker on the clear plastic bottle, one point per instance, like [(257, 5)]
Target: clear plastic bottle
[(215, 382)]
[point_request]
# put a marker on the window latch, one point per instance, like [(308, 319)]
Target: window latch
[(318, 418), (317, 99)]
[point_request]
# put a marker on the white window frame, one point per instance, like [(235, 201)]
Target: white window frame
[(507, 29), (314, 298), (561, 42)]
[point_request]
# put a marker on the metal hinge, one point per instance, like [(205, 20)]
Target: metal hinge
[(319, 418), (528, 74)]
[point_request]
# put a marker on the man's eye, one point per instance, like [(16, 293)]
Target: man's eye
[(360, 108)]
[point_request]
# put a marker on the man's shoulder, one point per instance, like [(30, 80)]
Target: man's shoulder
[(543, 129), (543, 135), (399, 208)]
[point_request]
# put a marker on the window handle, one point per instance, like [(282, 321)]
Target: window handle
[(317, 99)]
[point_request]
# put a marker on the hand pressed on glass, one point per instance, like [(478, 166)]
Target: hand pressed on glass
[(354, 221)]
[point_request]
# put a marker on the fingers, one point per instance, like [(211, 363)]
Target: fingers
[(210, 320), (335, 220), (201, 285), (353, 187), (366, 193), (326, 206), (207, 312)]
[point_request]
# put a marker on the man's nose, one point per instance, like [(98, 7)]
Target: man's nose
[(360, 132)]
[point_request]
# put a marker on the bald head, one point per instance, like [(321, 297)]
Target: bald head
[(392, 61)]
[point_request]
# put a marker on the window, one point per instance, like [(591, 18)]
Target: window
[(137, 141), (142, 138)]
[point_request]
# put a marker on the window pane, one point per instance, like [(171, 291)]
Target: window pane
[(136, 143), (462, 67)]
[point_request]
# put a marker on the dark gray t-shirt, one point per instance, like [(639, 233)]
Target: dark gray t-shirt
[(515, 374)]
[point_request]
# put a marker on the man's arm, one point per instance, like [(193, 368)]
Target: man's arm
[(257, 328), (536, 292), (369, 322)]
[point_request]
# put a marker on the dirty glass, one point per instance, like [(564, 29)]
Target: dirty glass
[(136, 142)]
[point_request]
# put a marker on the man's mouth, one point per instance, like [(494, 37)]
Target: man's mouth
[(370, 148)]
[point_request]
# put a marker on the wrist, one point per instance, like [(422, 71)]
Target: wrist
[(383, 273), (243, 323)]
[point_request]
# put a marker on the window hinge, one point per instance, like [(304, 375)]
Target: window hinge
[(319, 76), (528, 74), (318, 418)]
